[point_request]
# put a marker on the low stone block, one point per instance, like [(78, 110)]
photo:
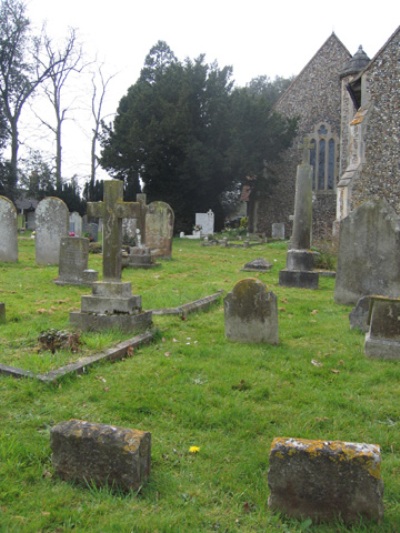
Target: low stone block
[(84, 452), (383, 338), (325, 480), (301, 279), (300, 260), (98, 304)]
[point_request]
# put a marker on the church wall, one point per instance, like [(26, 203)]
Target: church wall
[(315, 97), (380, 174)]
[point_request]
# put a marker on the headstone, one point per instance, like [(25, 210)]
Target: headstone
[(325, 481), (52, 223), (369, 253), (75, 224), (99, 454), (159, 229), (278, 231), (93, 231), (111, 304), (8, 231), (251, 313), (383, 338), (140, 257), (73, 266), (257, 265), (2, 312), (205, 221), (129, 227), (300, 259), (359, 315)]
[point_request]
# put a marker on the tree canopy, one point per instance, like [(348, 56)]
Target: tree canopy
[(189, 135)]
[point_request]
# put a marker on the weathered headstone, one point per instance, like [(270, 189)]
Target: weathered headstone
[(359, 315), (93, 231), (251, 313), (84, 452), (52, 223), (73, 265), (8, 231), (111, 304), (382, 341), (257, 265), (278, 231), (369, 253), (300, 259), (159, 229), (140, 257), (75, 223), (129, 227), (325, 480), (205, 221)]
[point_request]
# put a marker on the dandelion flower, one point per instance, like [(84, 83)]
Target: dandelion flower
[(194, 449)]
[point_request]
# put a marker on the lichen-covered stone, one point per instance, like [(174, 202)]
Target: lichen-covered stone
[(85, 452), (325, 480)]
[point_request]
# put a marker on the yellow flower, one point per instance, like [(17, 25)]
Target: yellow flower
[(194, 449)]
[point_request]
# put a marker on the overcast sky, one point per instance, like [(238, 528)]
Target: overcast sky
[(256, 37)]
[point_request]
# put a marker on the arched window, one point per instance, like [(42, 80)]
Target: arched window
[(323, 158)]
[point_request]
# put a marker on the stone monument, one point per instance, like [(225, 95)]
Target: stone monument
[(8, 231), (112, 303), (300, 259), (74, 258), (51, 223), (159, 229)]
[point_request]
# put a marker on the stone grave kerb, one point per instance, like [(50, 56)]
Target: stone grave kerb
[(112, 210)]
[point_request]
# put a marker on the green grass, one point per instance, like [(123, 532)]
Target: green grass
[(191, 387)]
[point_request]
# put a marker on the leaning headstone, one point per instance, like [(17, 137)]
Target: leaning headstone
[(300, 259), (369, 253), (205, 221), (2, 312), (73, 266), (52, 223), (257, 265), (382, 341), (325, 481), (251, 313), (8, 231), (359, 315), (159, 229), (111, 304), (99, 454), (278, 231), (75, 224)]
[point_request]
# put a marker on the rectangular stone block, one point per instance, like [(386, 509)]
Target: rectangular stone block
[(96, 304), (84, 452), (301, 279), (111, 289), (325, 480)]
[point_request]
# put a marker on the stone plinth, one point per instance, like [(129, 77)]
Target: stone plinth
[(325, 480), (251, 313), (302, 279), (383, 338), (140, 257), (83, 452)]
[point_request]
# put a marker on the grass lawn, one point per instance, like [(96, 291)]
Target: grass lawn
[(191, 387)]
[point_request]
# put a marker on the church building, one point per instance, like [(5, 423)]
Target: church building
[(350, 107)]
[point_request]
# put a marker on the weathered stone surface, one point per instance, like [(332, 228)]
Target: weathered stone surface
[(73, 263), (2, 312), (325, 480), (300, 260), (302, 279), (8, 231), (52, 224), (85, 452), (382, 341), (75, 224), (359, 314), (369, 253), (251, 313), (278, 231), (257, 265), (160, 220)]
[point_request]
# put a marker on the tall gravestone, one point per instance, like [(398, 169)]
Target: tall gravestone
[(160, 220), (8, 231), (75, 223), (206, 222), (369, 253), (52, 223), (111, 304), (300, 259)]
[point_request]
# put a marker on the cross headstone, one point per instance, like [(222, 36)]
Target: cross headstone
[(112, 210), (307, 145)]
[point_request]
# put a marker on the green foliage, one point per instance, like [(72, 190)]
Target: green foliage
[(191, 388), (189, 136)]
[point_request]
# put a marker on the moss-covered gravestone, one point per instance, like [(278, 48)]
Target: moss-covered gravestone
[(251, 313)]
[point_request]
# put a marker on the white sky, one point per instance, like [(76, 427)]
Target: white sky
[(255, 37)]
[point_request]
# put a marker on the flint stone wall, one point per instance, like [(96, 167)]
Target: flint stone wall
[(105, 455), (325, 480)]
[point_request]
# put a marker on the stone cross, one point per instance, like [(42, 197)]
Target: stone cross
[(308, 144), (112, 210)]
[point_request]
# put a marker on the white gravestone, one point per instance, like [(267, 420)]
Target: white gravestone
[(206, 222)]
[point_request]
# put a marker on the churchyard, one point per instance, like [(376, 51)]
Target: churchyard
[(213, 406)]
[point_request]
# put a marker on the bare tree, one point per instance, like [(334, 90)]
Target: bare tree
[(20, 73), (64, 61), (99, 88)]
